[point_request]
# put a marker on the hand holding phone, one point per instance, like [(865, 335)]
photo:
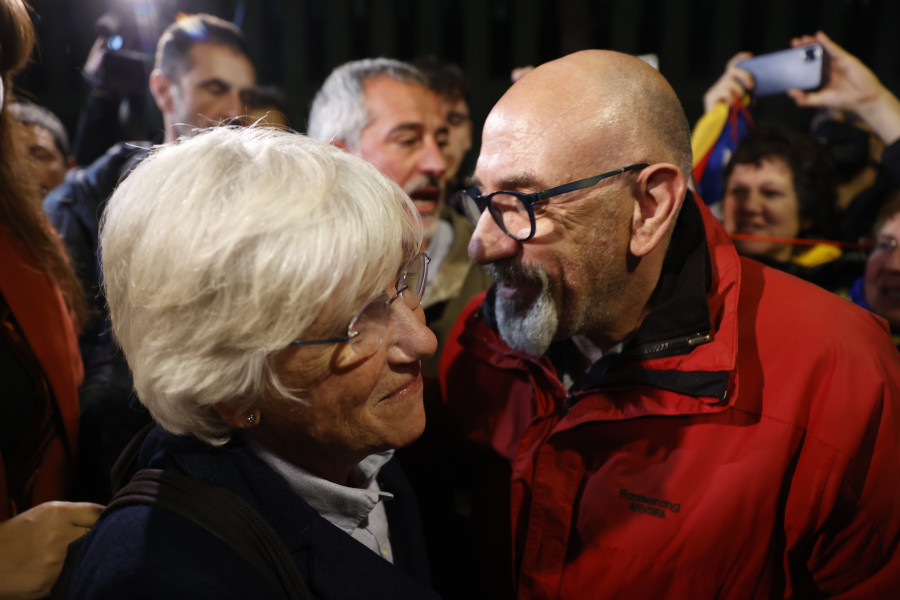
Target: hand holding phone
[(801, 68)]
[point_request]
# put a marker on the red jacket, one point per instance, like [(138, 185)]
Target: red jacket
[(44, 463), (759, 458)]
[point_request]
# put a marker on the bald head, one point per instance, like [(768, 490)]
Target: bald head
[(596, 252), (613, 106)]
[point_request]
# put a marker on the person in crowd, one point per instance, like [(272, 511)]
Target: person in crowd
[(449, 82), (115, 72), (47, 143), (201, 73), (878, 289), (669, 418), (862, 181), (852, 86), (202, 66), (267, 105), (40, 301), (779, 199), (265, 288), (383, 110)]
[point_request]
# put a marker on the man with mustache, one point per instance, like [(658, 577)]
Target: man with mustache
[(660, 417), (383, 111)]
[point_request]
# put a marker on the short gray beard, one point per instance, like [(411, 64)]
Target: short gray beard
[(531, 328)]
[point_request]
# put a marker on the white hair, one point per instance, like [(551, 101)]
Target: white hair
[(339, 111), (220, 250)]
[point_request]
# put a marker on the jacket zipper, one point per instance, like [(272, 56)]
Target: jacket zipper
[(670, 347)]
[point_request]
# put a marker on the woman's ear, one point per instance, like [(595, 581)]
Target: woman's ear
[(660, 191), (237, 417)]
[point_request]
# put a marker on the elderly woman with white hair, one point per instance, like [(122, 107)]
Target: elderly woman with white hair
[(265, 290)]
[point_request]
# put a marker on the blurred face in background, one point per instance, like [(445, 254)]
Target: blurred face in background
[(459, 138), (208, 93), (760, 200), (849, 140), (405, 139), (882, 278), (47, 163)]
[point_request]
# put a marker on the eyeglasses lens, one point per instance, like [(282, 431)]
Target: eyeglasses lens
[(508, 212), (473, 213), (412, 281), (368, 329), (511, 214)]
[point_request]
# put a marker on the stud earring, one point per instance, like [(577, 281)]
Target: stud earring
[(252, 418)]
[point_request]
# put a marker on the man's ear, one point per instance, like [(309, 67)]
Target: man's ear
[(340, 143), (660, 190), (161, 89)]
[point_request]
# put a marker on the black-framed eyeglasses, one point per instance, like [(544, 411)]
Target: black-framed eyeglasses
[(513, 212), (368, 328)]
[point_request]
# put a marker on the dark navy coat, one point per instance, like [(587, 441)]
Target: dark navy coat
[(143, 552)]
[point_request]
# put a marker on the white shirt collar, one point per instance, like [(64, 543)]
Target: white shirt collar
[(346, 507)]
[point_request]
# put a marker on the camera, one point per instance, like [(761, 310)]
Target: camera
[(121, 68)]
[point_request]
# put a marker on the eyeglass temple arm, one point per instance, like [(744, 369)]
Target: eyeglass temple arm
[(586, 183), (334, 340)]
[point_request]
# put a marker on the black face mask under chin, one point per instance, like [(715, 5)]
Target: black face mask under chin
[(848, 146)]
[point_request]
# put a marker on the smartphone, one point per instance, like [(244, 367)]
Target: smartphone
[(801, 68)]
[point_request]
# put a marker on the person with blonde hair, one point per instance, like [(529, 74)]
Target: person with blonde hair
[(201, 77), (265, 289)]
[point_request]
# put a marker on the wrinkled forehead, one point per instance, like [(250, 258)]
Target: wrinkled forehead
[(222, 62), (772, 167), (35, 135), (890, 227), (390, 102), (528, 147)]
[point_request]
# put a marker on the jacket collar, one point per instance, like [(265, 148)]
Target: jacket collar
[(321, 549)]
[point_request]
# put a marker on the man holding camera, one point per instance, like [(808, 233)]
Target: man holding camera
[(202, 70)]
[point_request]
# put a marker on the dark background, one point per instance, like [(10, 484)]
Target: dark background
[(295, 43)]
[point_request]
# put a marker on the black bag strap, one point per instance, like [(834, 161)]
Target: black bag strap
[(225, 515), (221, 512), (126, 463)]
